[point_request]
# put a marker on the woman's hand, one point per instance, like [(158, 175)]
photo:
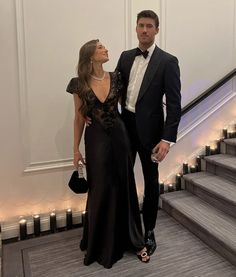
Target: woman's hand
[(88, 121), (77, 159)]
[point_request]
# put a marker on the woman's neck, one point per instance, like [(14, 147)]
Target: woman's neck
[(98, 73)]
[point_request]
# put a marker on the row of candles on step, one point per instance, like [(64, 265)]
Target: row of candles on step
[(171, 187), (186, 169), (229, 133), (53, 224), (226, 134), (196, 168)]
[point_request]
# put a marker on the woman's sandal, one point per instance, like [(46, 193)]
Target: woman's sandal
[(143, 255)]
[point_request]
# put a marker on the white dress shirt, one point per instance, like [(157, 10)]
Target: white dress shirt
[(135, 80), (136, 77)]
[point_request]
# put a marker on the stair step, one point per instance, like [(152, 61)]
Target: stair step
[(231, 141), (230, 146), (213, 226), (223, 165), (213, 189)]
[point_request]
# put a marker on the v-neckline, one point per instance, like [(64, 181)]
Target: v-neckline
[(102, 102)]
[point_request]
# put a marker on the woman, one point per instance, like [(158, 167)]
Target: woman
[(113, 221)]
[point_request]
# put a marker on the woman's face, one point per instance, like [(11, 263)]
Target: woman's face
[(101, 54)]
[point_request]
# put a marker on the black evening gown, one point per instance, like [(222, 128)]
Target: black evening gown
[(113, 222)]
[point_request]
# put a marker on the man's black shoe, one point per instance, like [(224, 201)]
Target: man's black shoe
[(150, 242)]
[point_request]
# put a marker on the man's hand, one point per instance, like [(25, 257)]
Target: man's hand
[(160, 151)]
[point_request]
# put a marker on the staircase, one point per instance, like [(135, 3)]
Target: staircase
[(207, 206)]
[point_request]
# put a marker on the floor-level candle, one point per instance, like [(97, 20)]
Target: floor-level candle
[(53, 222), (23, 229), (69, 223), (36, 219)]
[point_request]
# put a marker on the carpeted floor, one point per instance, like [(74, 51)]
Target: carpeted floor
[(179, 254)]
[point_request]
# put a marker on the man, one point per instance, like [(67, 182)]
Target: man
[(149, 73)]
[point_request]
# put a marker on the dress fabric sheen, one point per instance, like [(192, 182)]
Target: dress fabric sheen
[(113, 223)]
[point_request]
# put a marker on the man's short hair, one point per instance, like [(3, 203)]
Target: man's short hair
[(148, 14)]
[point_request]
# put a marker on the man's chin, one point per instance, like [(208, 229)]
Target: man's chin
[(145, 42)]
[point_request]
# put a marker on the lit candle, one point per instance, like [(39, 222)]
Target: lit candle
[(36, 219), (178, 181), (53, 222), (69, 222), (170, 188), (83, 217), (162, 188), (192, 169), (234, 130), (0, 240), (225, 133), (198, 161), (23, 229), (218, 143), (185, 168), (207, 150), (213, 150), (230, 135)]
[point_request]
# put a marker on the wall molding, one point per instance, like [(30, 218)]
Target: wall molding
[(212, 109), (49, 165), (128, 24), (163, 8), (23, 90), (21, 54)]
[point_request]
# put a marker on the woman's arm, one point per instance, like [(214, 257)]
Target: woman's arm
[(78, 130)]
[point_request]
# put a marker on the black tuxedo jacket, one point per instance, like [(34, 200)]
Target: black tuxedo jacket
[(162, 77)]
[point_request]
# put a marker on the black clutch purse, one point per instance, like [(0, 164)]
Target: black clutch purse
[(78, 184)]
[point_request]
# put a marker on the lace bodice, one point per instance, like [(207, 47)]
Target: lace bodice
[(103, 112)]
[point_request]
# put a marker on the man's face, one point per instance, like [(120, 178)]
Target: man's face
[(146, 31)]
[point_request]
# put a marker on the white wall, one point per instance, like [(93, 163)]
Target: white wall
[(39, 51)]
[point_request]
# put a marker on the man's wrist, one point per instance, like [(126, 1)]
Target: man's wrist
[(170, 142)]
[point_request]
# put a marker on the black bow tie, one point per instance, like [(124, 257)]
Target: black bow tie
[(140, 52)]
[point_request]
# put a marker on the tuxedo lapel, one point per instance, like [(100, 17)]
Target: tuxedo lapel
[(150, 71), (129, 60)]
